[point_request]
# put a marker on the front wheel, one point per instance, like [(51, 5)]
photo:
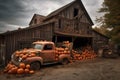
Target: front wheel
[(65, 61), (35, 66)]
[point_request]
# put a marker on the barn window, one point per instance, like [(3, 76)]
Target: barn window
[(35, 21), (59, 23), (88, 27), (75, 12)]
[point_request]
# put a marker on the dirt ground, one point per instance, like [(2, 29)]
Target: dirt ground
[(96, 69)]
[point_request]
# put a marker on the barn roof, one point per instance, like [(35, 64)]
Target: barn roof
[(58, 10), (69, 34), (27, 28), (37, 15), (1, 34), (54, 13), (100, 33)]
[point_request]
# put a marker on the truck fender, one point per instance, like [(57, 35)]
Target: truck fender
[(34, 59), (62, 56)]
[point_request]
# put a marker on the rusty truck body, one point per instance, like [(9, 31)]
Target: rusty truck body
[(45, 54)]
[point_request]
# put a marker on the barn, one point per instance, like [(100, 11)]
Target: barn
[(68, 23)]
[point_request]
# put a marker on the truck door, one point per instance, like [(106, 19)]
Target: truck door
[(48, 53)]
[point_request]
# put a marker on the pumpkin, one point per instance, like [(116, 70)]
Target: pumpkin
[(31, 72), (17, 55), (24, 56), (24, 52), (21, 55), (20, 71), (29, 55), (27, 66), (10, 66), (22, 65), (33, 55), (26, 70), (14, 70), (10, 71), (56, 58)]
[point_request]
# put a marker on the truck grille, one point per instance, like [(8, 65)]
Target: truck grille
[(15, 59)]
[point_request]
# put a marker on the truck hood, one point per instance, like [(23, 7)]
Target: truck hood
[(18, 56)]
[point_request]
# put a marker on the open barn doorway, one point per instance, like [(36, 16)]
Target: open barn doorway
[(58, 40), (81, 42), (61, 38), (78, 42)]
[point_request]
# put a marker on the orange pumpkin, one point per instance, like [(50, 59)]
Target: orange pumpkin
[(24, 56), (22, 65), (10, 66), (27, 66), (33, 55), (31, 72), (29, 55), (26, 70), (14, 70), (21, 55), (17, 55), (20, 71), (7, 66), (10, 71), (24, 53)]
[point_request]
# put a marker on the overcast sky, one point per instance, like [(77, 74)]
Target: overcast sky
[(18, 13)]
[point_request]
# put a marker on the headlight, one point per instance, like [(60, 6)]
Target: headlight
[(20, 59)]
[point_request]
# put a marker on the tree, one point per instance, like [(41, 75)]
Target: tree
[(111, 18)]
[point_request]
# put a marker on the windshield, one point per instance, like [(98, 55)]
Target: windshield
[(38, 46)]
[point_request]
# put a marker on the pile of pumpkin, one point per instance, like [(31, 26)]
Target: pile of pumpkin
[(59, 51), (22, 68), (62, 51), (24, 54), (87, 53)]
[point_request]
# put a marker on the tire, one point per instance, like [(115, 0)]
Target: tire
[(65, 61), (35, 66)]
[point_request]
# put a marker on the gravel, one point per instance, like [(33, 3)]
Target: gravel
[(95, 69)]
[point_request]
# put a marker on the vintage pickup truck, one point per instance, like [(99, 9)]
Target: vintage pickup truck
[(44, 53)]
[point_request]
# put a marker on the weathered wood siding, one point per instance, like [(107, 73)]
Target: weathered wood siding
[(1, 39), (73, 26), (2, 50), (66, 22), (99, 40), (23, 38), (37, 19), (69, 13)]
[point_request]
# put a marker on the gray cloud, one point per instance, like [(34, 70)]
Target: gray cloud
[(16, 13), (7, 27), (92, 8)]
